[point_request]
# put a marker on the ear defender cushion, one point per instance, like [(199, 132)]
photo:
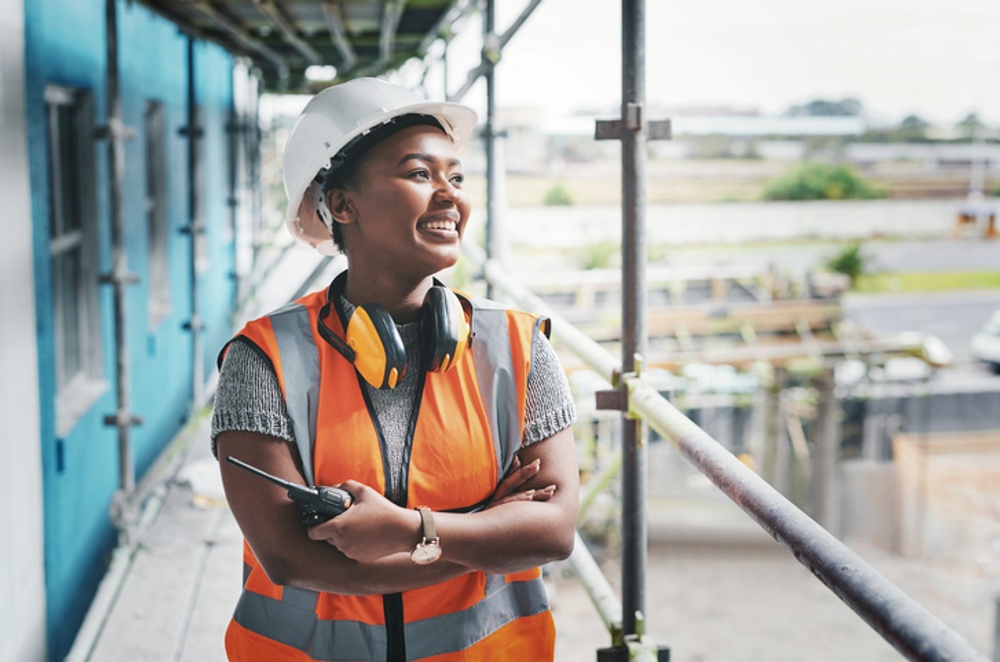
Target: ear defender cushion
[(445, 330), (380, 357)]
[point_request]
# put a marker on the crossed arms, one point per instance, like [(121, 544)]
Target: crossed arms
[(365, 551)]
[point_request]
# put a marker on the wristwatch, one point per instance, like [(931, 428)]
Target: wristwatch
[(428, 550)]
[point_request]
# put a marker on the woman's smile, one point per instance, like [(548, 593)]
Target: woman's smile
[(443, 224)]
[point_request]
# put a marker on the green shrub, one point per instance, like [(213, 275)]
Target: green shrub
[(558, 195), (821, 181), (851, 261), (599, 255)]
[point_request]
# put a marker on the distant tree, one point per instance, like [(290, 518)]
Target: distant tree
[(598, 256), (970, 126), (912, 129), (558, 195), (914, 123), (850, 107), (821, 181), (851, 261)]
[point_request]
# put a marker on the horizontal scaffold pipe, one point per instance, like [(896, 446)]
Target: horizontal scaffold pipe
[(608, 606), (901, 621), (586, 348)]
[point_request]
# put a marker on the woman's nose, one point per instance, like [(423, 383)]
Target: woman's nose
[(446, 190)]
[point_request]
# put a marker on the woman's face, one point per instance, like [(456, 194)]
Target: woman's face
[(408, 209)]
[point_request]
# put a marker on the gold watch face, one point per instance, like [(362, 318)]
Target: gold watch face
[(425, 552)]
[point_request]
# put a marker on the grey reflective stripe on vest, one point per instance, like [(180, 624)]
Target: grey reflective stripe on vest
[(495, 374), (300, 371), (292, 621)]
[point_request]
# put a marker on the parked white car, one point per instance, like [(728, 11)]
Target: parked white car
[(986, 344)]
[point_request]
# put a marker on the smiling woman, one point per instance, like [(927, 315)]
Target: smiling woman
[(446, 419)]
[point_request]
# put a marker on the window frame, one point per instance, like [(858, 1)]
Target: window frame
[(73, 254), (157, 216)]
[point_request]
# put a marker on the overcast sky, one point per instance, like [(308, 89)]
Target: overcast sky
[(939, 59)]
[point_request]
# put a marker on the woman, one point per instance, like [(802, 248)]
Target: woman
[(447, 420)]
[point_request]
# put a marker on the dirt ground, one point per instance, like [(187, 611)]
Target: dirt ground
[(754, 602)]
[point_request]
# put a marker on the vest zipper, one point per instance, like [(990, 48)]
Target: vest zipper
[(395, 633), (392, 603)]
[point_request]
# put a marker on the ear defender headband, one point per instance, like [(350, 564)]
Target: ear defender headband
[(372, 344)]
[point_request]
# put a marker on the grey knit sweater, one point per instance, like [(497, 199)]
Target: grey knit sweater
[(249, 398)]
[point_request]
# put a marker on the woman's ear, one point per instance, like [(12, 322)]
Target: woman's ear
[(339, 203)]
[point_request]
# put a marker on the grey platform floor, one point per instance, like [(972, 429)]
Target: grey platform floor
[(184, 578)]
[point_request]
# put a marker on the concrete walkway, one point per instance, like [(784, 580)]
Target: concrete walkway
[(185, 575)]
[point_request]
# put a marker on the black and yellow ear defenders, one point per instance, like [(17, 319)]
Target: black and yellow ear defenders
[(371, 341)]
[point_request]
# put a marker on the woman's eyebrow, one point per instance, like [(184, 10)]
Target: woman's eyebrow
[(426, 158)]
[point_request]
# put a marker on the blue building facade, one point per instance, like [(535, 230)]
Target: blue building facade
[(180, 226)]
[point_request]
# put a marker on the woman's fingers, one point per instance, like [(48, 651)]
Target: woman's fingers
[(543, 494)]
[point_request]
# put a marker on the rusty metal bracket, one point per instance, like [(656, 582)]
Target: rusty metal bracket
[(613, 400), (122, 419), (634, 121), (115, 277), (114, 130), (634, 647), (617, 398)]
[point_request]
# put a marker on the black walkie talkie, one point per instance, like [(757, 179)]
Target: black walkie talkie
[(316, 504)]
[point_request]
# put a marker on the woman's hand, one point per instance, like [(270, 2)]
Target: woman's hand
[(509, 489), (372, 528)]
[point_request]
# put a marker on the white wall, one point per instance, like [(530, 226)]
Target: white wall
[(22, 585)]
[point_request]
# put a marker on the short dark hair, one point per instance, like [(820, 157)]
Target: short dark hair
[(348, 162)]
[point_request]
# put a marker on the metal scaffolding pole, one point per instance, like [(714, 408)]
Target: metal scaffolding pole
[(633, 308), (123, 419), (491, 55), (633, 130), (195, 229)]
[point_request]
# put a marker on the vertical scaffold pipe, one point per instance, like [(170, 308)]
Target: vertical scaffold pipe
[(195, 227), (119, 278), (489, 134), (633, 158)]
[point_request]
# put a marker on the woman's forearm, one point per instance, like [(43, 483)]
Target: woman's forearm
[(388, 575), (510, 538)]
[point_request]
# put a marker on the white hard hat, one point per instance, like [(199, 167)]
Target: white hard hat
[(332, 119)]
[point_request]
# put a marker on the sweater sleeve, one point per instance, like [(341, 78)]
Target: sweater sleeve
[(248, 397), (549, 405)]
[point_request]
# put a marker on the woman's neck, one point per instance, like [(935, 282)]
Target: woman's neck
[(402, 301)]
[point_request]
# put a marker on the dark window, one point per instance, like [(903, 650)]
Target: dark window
[(73, 252), (156, 213)]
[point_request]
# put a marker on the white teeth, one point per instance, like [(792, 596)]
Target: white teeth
[(441, 225)]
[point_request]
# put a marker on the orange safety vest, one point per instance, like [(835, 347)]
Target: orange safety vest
[(468, 427)]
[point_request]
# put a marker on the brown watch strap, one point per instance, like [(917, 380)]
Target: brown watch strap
[(428, 532)]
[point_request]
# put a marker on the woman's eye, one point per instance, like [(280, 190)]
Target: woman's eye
[(422, 174), (458, 179)]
